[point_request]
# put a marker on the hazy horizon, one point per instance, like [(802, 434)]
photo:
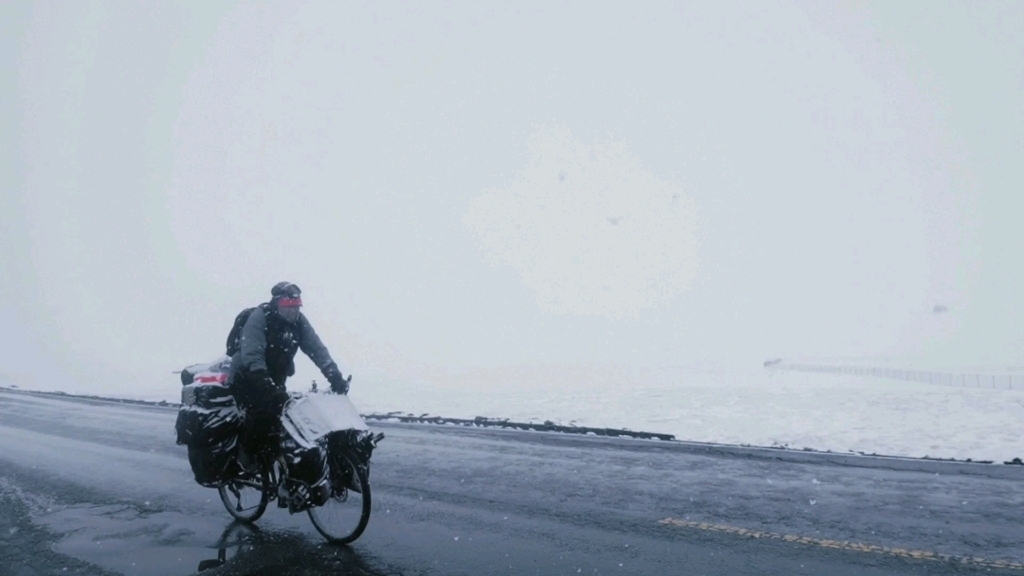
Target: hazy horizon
[(508, 188)]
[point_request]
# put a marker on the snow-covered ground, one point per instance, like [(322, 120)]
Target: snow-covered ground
[(749, 406), (758, 407)]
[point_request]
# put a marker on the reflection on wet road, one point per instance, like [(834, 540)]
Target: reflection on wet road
[(247, 549), (102, 489)]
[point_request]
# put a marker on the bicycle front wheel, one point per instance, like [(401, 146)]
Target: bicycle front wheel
[(344, 516), (246, 498)]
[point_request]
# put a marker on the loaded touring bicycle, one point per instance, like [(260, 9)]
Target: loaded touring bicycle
[(323, 466)]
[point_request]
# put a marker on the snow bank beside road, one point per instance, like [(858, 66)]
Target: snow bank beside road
[(755, 407)]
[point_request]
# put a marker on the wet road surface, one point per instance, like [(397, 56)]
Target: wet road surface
[(89, 487)]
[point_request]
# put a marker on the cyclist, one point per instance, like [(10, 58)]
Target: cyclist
[(269, 339)]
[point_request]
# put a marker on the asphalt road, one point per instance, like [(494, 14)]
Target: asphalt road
[(88, 487)]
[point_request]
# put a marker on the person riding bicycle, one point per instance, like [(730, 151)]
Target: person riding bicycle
[(271, 336)]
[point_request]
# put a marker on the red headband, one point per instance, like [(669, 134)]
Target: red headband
[(290, 302)]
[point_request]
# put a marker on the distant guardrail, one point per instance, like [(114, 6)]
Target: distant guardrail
[(961, 379)]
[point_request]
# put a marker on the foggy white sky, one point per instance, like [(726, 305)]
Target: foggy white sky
[(467, 186)]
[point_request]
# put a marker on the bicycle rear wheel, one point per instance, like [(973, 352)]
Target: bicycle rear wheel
[(246, 497), (344, 516)]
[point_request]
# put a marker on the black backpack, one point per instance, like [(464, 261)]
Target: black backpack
[(234, 343)]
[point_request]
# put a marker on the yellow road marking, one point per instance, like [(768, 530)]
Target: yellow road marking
[(845, 545)]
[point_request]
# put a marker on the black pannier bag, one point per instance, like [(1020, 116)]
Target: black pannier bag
[(308, 483), (359, 444), (310, 480), (210, 423), (315, 427)]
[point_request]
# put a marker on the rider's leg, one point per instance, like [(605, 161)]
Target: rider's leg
[(263, 406), (261, 433)]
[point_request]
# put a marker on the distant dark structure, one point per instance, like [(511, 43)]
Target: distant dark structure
[(774, 362), (940, 308)]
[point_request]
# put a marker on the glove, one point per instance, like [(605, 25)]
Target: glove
[(339, 384), (267, 393), (262, 380)]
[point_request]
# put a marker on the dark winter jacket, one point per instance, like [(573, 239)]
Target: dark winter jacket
[(269, 342)]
